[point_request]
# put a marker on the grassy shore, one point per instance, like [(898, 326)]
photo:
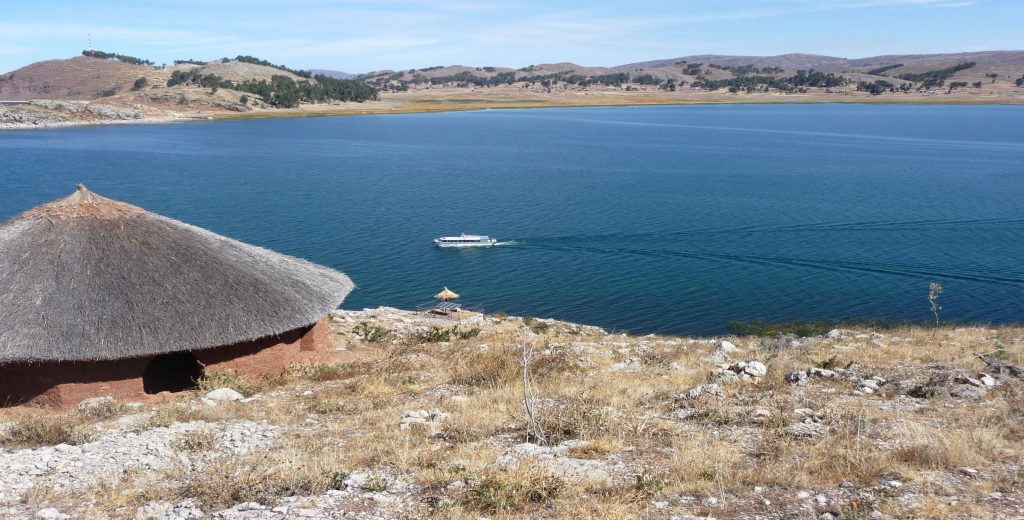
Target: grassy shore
[(450, 100)]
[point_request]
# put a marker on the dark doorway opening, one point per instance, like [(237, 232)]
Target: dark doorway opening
[(172, 372)]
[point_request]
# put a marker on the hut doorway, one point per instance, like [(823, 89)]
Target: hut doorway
[(172, 372)]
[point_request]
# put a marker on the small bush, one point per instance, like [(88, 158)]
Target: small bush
[(45, 432), (242, 383), (372, 333), (538, 327), (320, 372), (442, 334), (321, 407), (377, 484), (264, 479), (104, 409), (574, 419), (501, 493), (648, 484), (595, 449), (196, 440)]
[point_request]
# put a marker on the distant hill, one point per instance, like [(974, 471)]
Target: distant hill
[(337, 74), (712, 72), (88, 78)]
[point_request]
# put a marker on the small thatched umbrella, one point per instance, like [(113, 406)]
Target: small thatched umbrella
[(446, 295), (86, 278)]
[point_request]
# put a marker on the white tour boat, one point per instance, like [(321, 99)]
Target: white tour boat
[(465, 240)]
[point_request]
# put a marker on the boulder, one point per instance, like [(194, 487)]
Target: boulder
[(964, 391), (223, 394), (431, 419), (727, 347), (755, 369)]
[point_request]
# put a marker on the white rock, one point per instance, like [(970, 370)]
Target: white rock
[(710, 502), (710, 389), (51, 513), (224, 394), (803, 495), (987, 380), (823, 373), (727, 347), (798, 378), (755, 369), (760, 415)]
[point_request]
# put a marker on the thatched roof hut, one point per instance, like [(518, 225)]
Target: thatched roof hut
[(446, 295), (86, 278)]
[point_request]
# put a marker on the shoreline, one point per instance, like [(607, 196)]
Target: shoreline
[(440, 105)]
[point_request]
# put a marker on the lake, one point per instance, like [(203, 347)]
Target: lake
[(671, 219)]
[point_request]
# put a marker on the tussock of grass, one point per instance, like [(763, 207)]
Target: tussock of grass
[(45, 431), (501, 492), (196, 440)]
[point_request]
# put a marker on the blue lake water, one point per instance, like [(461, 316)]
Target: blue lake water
[(652, 219)]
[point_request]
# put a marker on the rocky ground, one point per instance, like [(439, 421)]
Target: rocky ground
[(43, 113), (432, 417)]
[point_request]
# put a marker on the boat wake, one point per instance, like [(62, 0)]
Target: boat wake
[(506, 243)]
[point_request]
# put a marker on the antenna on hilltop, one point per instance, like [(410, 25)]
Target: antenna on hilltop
[(90, 42)]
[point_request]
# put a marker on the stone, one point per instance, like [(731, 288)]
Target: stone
[(760, 415), (709, 502), (806, 429), (755, 369), (970, 472), (987, 380), (223, 394), (838, 334), (798, 378), (51, 513), (708, 390), (803, 495), (93, 403), (823, 373), (727, 347), (728, 376), (431, 419), (556, 461), (964, 391), (629, 365), (967, 381)]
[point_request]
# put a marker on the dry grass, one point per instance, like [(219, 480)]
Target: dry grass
[(45, 431), (665, 448)]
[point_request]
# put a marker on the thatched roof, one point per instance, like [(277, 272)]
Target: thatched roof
[(446, 294), (89, 278)]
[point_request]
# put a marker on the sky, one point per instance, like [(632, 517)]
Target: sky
[(364, 35)]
